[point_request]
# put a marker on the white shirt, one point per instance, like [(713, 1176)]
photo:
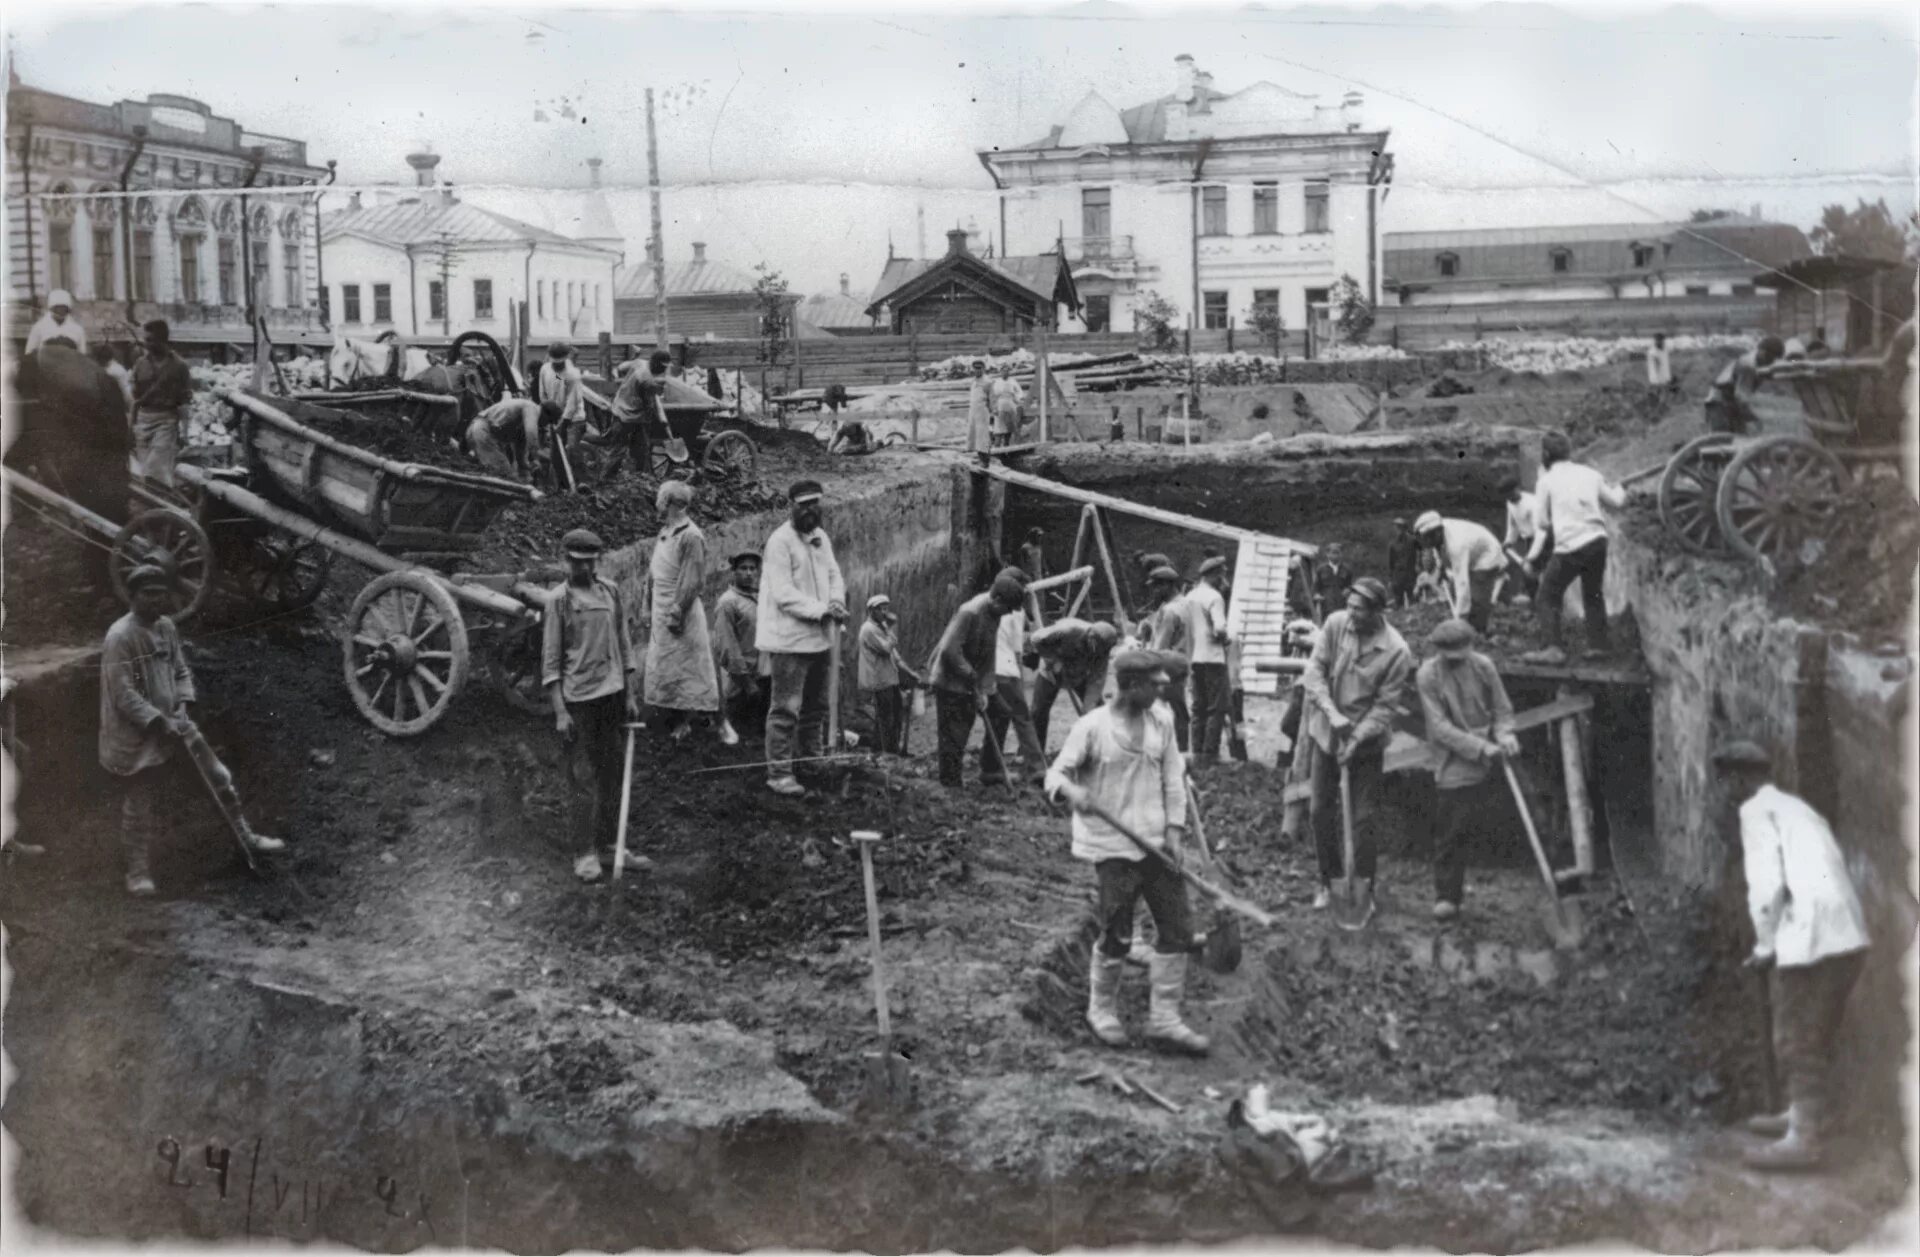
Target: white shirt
[(562, 387), (1801, 897), (1206, 615), (1523, 521), (46, 329), (1469, 548), (798, 578), (1009, 643), (1570, 496), (1659, 366), (1143, 785)]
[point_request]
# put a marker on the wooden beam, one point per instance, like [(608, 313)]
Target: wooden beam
[(1040, 484), (1420, 753), (1064, 578)]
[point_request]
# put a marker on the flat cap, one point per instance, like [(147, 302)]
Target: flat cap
[(1104, 633), (1008, 587), (1152, 560), (804, 491), (1164, 573), (1214, 564), (148, 574), (1427, 522), (1370, 588), (879, 602), (1741, 754), (582, 541), (559, 349), (745, 556), (1174, 664), (1454, 634), (1131, 664)]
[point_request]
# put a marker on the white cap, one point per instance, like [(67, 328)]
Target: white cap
[(1427, 522), (59, 297)]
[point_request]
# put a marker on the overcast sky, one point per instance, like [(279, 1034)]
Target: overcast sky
[(803, 138)]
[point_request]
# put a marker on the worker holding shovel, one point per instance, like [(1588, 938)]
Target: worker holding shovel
[(1122, 763), (962, 676), (1470, 727), (1355, 685)]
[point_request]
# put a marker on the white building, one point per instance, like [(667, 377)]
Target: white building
[(433, 265), (1215, 201)]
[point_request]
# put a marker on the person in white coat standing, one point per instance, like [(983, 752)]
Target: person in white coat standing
[(803, 602)]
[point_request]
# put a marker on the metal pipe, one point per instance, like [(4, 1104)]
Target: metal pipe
[(126, 216), (320, 255)]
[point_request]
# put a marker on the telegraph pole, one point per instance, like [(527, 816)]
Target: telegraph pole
[(659, 248)]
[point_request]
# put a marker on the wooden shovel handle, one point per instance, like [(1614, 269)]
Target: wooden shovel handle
[(1533, 837), (1224, 899)]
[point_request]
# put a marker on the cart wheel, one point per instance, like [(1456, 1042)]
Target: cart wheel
[(405, 652), (175, 542), (1687, 494), (513, 664), (732, 456), (1780, 493), (288, 573)]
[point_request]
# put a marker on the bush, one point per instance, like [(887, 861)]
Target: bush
[(1157, 319)]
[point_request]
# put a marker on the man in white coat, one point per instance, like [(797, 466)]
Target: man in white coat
[(803, 602)]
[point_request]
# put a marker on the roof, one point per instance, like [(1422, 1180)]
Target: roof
[(592, 220), (1602, 252), (835, 310), (1487, 237), (1038, 275), (1821, 272), (421, 221), (705, 278)]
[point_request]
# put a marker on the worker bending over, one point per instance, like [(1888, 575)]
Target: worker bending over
[(1470, 728), (1473, 560), (509, 438), (1729, 403), (1073, 656), (962, 675), (1571, 497), (1121, 759)]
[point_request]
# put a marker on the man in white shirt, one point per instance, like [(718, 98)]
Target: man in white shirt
[(1808, 927), (58, 324), (803, 601), (1660, 365), (1473, 560), (1571, 497), (1009, 647), (1206, 608), (560, 384), (1523, 523)]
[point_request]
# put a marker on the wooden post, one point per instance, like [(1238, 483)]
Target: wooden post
[(606, 355), (1186, 420), (913, 419), (799, 370), (1579, 806), (1041, 379), (1139, 423)]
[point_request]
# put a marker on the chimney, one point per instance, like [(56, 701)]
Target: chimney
[(957, 242), (843, 285), (593, 172), (1183, 77), (1203, 83), (423, 164), (353, 202), (699, 250), (1756, 209)]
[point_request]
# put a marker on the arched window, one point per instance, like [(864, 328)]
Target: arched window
[(1562, 260), (189, 230), (103, 214), (60, 205), (59, 202), (1448, 264), (226, 217)]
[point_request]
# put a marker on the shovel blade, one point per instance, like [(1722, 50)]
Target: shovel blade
[(1221, 952), (888, 1082), (1566, 924)]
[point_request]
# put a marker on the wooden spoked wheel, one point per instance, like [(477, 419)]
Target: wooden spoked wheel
[(1689, 489), (731, 456), (171, 540), (287, 573), (1778, 495), (405, 652)]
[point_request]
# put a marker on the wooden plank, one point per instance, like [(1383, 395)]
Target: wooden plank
[(1226, 532), (1420, 753)]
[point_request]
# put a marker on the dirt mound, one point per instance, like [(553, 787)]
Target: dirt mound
[(1862, 578), (1613, 410), (528, 533)]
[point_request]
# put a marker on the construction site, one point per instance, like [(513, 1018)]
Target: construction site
[(418, 1028)]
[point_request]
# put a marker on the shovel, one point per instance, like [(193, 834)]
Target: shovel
[(1225, 901), (889, 1083), (626, 808), (1221, 949), (1345, 919), (1563, 925), (219, 783), (987, 739)]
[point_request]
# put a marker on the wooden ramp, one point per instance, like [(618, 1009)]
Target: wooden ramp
[(1257, 616), (1121, 506)]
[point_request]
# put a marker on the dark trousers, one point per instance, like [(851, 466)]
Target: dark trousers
[(1123, 883), (1588, 565), (746, 700), (596, 760), (1011, 709), (1480, 599), (1046, 691), (1808, 1004), (1367, 776), (629, 439), (1209, 709), (954, 711), (1456, 814), (1182, 722), (798, 709), (888, 706)]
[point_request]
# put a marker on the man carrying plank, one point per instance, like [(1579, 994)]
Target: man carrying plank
[(1122, 759), (1470, 727)]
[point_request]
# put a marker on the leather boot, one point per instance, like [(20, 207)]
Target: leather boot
[(1164, 1027), (1801, 1148), (1103, 998)]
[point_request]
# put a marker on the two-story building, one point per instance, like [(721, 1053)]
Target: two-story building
[(158, 208), (433, 265), (1219, 202)]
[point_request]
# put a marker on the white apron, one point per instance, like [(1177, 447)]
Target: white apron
[(680, 673)]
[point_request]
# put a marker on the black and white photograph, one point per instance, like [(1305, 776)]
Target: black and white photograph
[(959, 627)]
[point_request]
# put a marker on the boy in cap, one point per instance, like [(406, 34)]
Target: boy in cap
[(1355, 685), (881, 669), (1073, 656), (1331, 577), (1121, 757), (1809, 929), (146, 692), (1470, 727), (745, 672), (587, 662), (962, 675), (1206, 608), (803, 604)]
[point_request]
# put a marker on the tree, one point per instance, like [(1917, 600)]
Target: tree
[(1267, 324), (1353, 313), (1708, 215), (1157, 317), (776, 312), (1866, 231)]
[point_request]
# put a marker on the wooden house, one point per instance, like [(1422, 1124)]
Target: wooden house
[(962, 292)]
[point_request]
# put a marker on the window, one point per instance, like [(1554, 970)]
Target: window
[(596, 300), (1562, 261), (1097, 310), (189, 268), (383, 303), (539, 298), (350, 303), (1449, 264), (1213, 211), (1743, 290), (1214, 308), (60, 255), (1266, 301), (1642, 256), (1316, 303), (1318, 220), (103, 263), (482, 298), (436, 299), (1096, 212), (1266, 209), (1697, 290), (294, 291), (223, 262), (261, 285), (570, 305), (326, 307)]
